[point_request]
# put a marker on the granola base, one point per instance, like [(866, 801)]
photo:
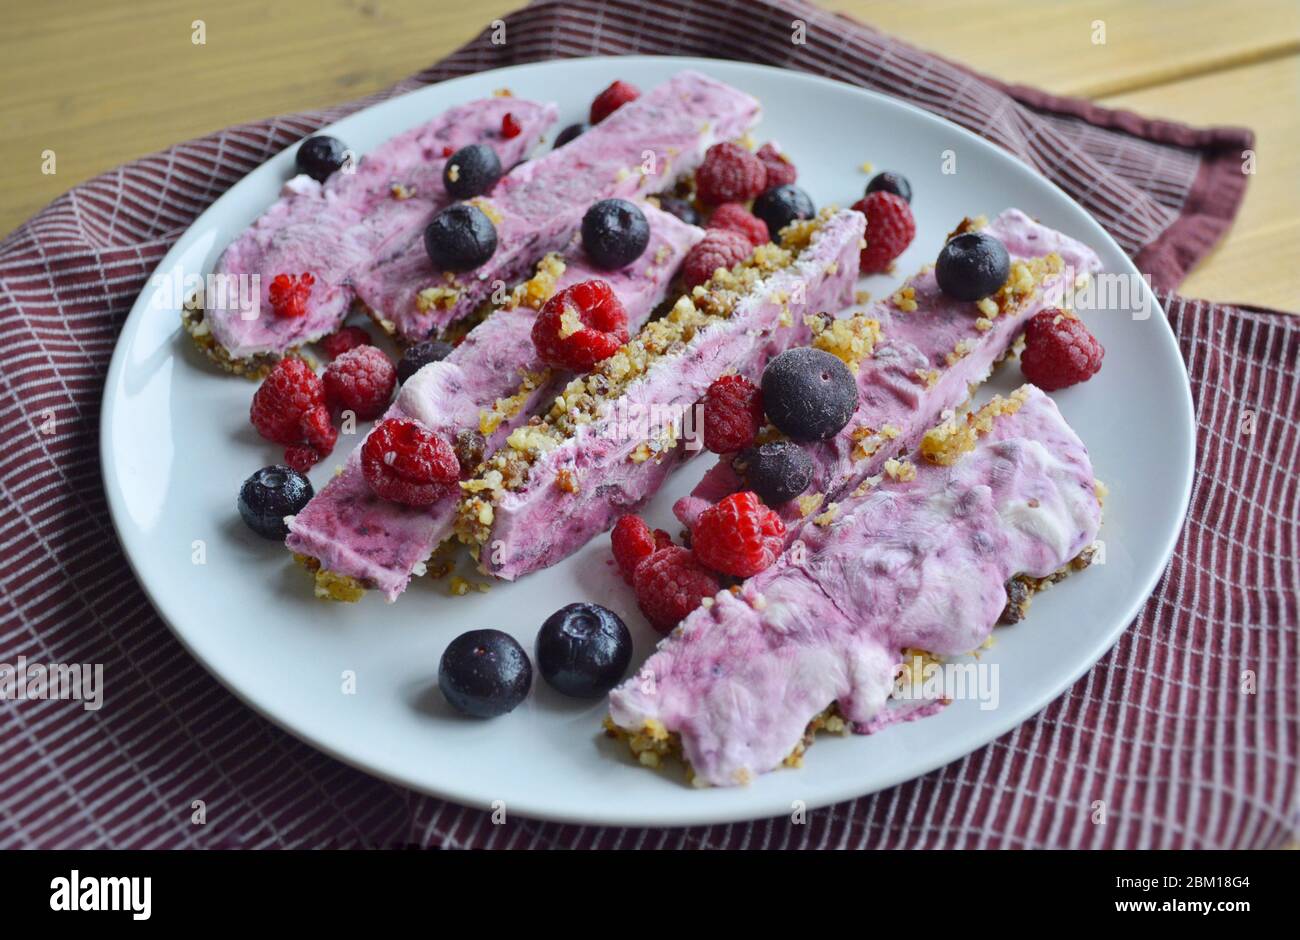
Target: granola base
[(254, 367)]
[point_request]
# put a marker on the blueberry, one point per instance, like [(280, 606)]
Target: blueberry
[(471, 171), (809, 394), (972, 266), (891, 182), (570, 132), (460, 238), (781, 205), (614, 233), (680, 208), (583, 650), (268, 496), (485, 673), (320, 156), (778, 471), (414, 358)]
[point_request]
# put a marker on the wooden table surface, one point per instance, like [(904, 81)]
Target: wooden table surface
[(101, 82)]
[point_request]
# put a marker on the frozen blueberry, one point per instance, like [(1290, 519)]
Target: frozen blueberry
[(583, 650), (781, 205), (680, 208), (972, 266), (268, 496), (571, 132), (809, 394), (320, 156), (414, 358), (460, 238), (614, 233), (471, 171), (485, 673), (777, 471), (891, 182)]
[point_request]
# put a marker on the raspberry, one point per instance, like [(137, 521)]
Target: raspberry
[(734, 217), (510, 126), (580, 326), (345, 338), (633, 542), (1059, 350), (733, 413), (720, 248), (288, 294), (729, 173), (780, 171), (362, 381), (289, 408), (669, 585), (890, 229), (738, 536), (405, 462), (448, 150), (611, 99)]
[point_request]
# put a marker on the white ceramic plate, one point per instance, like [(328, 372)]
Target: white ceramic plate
[(176, 445)]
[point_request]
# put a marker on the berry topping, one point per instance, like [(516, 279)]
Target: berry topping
[(447, 151), (343, 339), (361, 381), (633, 542), (580, 326), (780, 206), (510, 126), (733, 413), (289, 408), (288, 294), (268, 496), (670, 584), (416, 357), (890, 229), (729, 173), (572, 132), (460, 238), (720, 248), (680, 208), (614, 233), (485, 673), (809, 394), (611, 99), (739, 536), (320, 156), (1059, 350), (471, 171), (736, 218), (780, 171), (971, 266), (583, 650), (405, 462), (890, 182), (778, 471)]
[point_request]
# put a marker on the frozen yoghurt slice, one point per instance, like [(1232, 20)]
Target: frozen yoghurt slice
[(917, 561)]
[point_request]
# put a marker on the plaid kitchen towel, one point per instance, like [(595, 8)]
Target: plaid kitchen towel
[(1162, 731)]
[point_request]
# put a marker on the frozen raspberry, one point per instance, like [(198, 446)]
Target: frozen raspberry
[(289, 408), (738, 536), (633, 542), (720, 248), (510, 126), (734, 217), (405, 462), (580, 326), (890, 229), (669, 585), (361, 381), (780, 171), (733, 414), (288, 294), (611, 99), (729, 173), (1059, 350), (345, 338)]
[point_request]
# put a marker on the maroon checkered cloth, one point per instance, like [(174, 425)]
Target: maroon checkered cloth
[(1160, 730)]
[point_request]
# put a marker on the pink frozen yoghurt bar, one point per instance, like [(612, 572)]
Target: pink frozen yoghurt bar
[(918, 561), (613, 437), (917, 355), (537, 208), (336, 230), (486, 388)]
